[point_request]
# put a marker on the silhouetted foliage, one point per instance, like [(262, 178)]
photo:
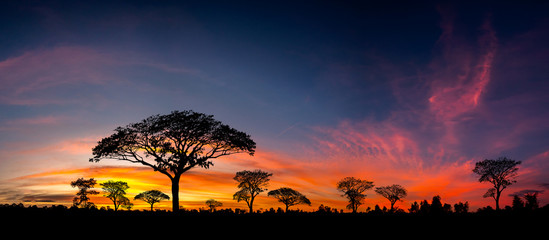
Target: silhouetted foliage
[(251, 183), (82, 200), (414, 208), (436, 205), (518, 204), (461, 208), (500, 172), (393, 193), (325, 209), (531, 201), (174, 143), (213, 204), (289, 197), (353, 189), (151, 197), (116, 191)]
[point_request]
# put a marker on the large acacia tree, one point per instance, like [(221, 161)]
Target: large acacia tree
[(173, 144)]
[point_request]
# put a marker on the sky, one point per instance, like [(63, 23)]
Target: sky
[(395, 93)]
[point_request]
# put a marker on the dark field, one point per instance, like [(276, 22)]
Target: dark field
[(50, 221)]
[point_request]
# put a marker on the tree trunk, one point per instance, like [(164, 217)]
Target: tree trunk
[(251, 205), (175, 193), (497, 199)]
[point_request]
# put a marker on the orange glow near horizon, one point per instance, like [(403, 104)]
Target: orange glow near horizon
[(316, 180)]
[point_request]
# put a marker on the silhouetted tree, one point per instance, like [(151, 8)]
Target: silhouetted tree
[(173, 144), (414, 208), (500, 172), (517, 204), (151, 197), (393, 193), (212, 204), (424, 207), (325, 209), (82, 199), (461, 207), (353, 189), (116, 191), (251, 183), (289, 197), (531, 201), (436, 205)]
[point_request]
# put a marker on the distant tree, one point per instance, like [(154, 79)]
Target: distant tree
[(116, 191), (436, 205), (461, 207), (82, 200), (251, 183), (325, 209), (424, 207), (414, 208), (447, 208), (289, 197), (500, 172), (377, 209), (517, 204), (353, 189), (151, 197), (531, 201), (212, 204), (393, 193), (174, 143)]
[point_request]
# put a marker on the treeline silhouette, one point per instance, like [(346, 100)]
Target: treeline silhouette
[(424, 208)]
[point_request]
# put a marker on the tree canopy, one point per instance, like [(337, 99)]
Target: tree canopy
[(289, 197)]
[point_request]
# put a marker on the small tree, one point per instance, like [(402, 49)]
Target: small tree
[(353, 189), (531, 201), (393, 193), (212, 204), (414, 208), (116, 191), (461, 207), (289, 197), (151, 197), (500, 173), (518, 204), (82, 199), (251, 183)]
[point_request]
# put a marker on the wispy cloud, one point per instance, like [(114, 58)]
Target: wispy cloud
[(48, 76)]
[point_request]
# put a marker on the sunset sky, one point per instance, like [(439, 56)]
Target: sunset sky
[(395, 93)]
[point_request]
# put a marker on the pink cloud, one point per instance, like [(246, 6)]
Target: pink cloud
[(459, 79)]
